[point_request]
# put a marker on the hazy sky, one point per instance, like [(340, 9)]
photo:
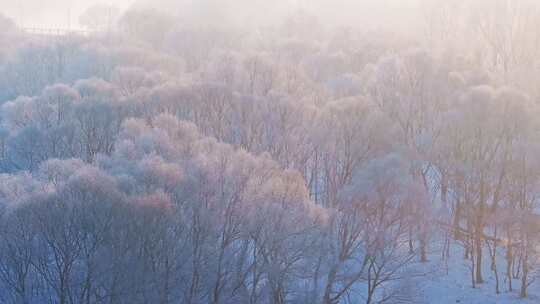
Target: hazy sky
[(51, 13), (64, 13)]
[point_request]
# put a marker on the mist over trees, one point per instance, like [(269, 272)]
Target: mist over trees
[(193, 153)]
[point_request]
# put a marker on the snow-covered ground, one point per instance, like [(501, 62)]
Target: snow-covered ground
[(455, 286)]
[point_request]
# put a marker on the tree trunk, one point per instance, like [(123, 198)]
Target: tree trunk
[(509, 258), (524, 278), (411, 245), (457, 217), (473, 281), (478, 247), (493, 255), (423, 251), (525, 267), (371, 288), (479, 231), (327, 299)]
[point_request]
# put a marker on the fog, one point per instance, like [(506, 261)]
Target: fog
[(269, 152), (372, 13), (51, 13)]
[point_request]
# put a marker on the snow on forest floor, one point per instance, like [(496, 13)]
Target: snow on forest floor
[(440, 287)]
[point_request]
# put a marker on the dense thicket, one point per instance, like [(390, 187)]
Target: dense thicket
[(299, 163)]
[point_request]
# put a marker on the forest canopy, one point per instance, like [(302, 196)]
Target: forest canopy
[(272, 152)]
